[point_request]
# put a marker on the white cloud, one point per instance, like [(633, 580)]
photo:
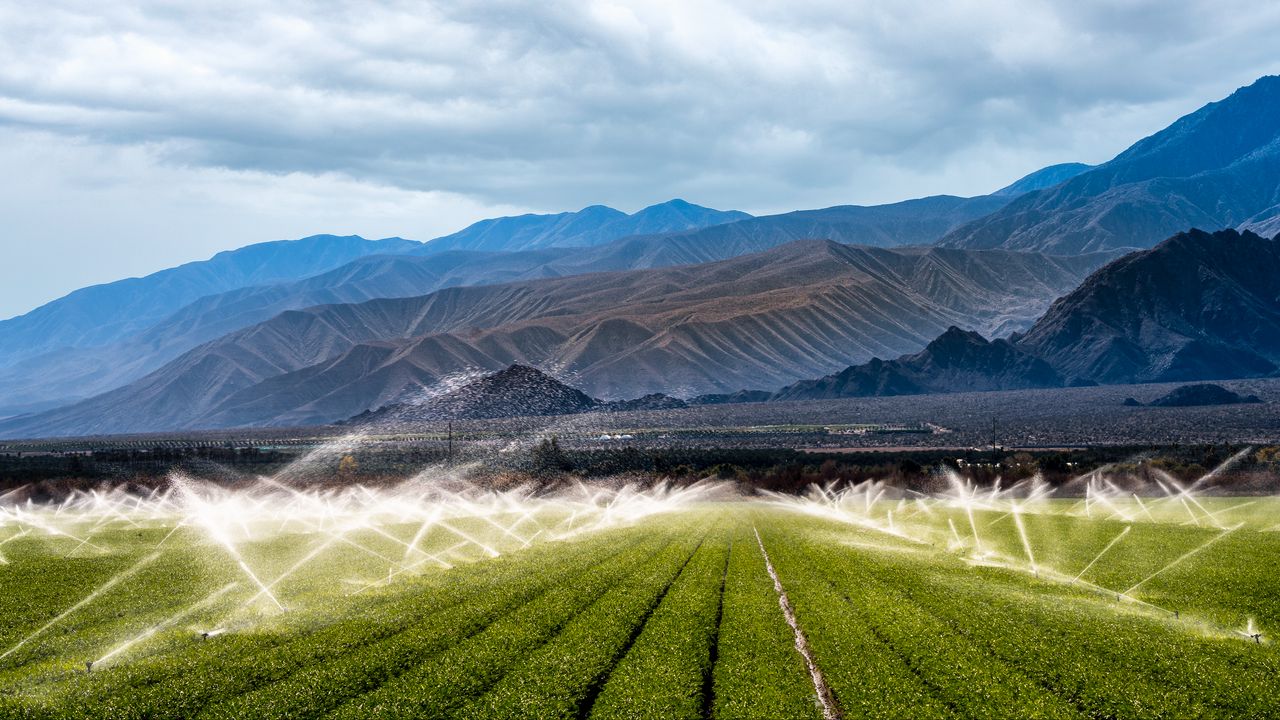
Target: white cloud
[(244, 121)]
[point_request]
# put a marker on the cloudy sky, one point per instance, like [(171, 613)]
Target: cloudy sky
[(137, 135)]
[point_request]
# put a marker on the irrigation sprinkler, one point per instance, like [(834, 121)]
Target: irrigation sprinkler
[(1251, 632)]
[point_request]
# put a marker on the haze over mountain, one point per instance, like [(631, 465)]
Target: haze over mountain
[(1218, 167), (594, 225), (767, 319), (101, 314)]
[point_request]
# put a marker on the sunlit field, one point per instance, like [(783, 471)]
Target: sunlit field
[(410, 601)]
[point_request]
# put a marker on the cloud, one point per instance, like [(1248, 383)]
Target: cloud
[(552, 105)]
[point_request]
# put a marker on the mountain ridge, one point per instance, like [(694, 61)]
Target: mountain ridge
[(956, 361), (716, 327), (1217, 167), (592, 225)]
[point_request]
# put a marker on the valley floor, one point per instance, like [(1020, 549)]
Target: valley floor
[(912, 608)]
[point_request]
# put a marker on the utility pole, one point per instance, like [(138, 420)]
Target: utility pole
[(450, 442)]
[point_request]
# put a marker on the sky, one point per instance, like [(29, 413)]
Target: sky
[(138, 135)]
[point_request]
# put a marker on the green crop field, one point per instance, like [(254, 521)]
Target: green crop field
[(628, 604)]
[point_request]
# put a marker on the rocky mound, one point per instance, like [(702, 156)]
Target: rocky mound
[(742, 396), (517, 391), (1203, 394)]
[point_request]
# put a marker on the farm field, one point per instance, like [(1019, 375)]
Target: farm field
[(627, 604)]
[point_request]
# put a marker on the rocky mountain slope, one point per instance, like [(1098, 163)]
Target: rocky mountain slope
[(957, 361), (1198, 306)]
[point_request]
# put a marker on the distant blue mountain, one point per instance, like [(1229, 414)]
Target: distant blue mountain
[(1043, 178), (593, 225), (101, 314)]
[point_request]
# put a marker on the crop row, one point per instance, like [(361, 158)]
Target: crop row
[(322, 685), (557, 679), (1002, 641), (758, 672), (201, 675), (326, 686), (438, 688), (667, 672)]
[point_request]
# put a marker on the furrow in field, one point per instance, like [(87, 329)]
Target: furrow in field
[(665, 673), (868, 678), (587, 703), (437, 687), (948, 664), (321, 687), (555, 681), (829, 709), (758, 673), (709, 672), (197, 679)]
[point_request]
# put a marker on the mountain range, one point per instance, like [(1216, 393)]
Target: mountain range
[(757, 320), (687, 300), (1198, 306), (69, 366)]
